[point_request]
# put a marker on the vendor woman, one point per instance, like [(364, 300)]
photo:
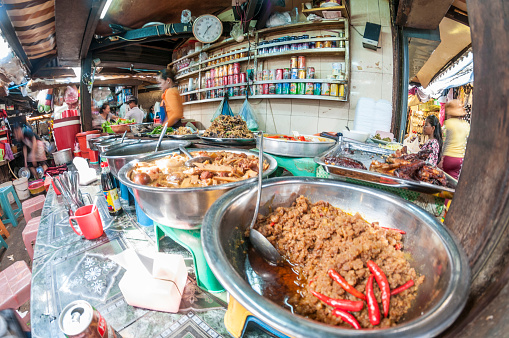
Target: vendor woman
[(103, 116), (434, 144), (171, 100), (34, 150)]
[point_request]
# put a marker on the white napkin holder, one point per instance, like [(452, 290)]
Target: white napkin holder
[(155, 281), (87, 174)]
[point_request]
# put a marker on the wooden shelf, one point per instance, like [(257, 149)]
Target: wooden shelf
[(342, 9), (300, 41), (302, 80), (273, 96), (317, 51)]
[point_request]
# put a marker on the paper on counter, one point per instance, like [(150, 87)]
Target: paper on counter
[(87, 174), (154, 281)]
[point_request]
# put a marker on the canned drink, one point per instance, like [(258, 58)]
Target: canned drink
[(302, 62), (221, 80), (286, 88), (207, 75), (295, 73), (334, 89), (235, 91), (235, 79), (212, 94), (236, 68), (272, 88), (293, 62), (328, 44), (302, 73), (309, 88), (265, 90), (230, 69), (219, 72), (311, 73), (279, 88), (342, 42), (225, 70), (326, 89), (319, 44), (242, 78), (80, 319), (317, 88), (266, 75), (226, 80), (242, 90), (207, 95), (342, 90), (301, 88), (293, 88), (276, 49), (294, 46), (279, 74), (272, 74), (216, 82), (212, 73), (286, 73), (259, 76)]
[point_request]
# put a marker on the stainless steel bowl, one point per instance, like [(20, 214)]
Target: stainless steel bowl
[(434, 252), (182, 208), (93, 141), (105, 145), (296, 148), (119, 156)]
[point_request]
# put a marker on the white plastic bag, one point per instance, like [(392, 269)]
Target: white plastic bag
[(279, 19), (247, 114)]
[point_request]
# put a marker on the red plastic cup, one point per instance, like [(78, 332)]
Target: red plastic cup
[(89, 222)]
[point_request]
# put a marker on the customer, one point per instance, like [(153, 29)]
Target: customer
[(134, 112), (151, 115), (103, 116), (456, 134), (171, 100), (434, 144), (34, 150)]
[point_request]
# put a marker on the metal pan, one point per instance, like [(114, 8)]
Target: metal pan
[(287, 148), (228, 141), (184, 137)]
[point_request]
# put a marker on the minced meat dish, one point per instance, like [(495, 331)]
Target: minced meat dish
[(318, 237)]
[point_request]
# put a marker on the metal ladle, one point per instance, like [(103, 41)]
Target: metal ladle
[(260, 242), (163, 132), (192, 160)]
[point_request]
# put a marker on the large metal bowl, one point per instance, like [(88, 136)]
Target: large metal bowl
[(433, 250), (119, 156), (106, 145), (296, 148), (182, 208)]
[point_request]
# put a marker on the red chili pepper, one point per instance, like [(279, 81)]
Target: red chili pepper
[(373, 310), (347, 318), (344, 284), (273, 137), (302, 138), (397, 230), (272, 224), (343, 304), (398, 246), (402, 288), (381, 279)]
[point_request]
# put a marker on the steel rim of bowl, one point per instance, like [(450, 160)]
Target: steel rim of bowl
[(122, 174), (444, 312), (107, 154)]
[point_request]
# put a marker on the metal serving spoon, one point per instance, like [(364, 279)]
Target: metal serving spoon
[(163, 132), (260, 242), (192, 160)]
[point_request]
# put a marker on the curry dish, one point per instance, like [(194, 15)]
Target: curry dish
[(171, 172)]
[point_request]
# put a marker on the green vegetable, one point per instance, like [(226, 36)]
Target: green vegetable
[(159, 129)]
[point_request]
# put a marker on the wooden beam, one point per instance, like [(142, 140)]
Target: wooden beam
[(136, 65), (250, 13), (457, 15), (93, 20), (12, 39), (422, 14), (153, 47), (147, 34), (479, 214)]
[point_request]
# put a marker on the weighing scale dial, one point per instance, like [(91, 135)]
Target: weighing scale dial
[(207, 28)]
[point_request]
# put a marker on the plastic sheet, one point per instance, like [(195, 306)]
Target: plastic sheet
[(247, 114)]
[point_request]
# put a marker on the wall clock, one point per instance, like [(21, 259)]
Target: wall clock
[(207, 28)]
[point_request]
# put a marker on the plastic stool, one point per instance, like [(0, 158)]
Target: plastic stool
[(141, 217), (12, 215), (30, 235), (3, 230), (2, 243), (15, 282), (32, 205)]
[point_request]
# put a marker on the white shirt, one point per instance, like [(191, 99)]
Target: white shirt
[(135, 113)]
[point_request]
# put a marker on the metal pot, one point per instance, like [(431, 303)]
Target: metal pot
[(62, 156), (182, 208), (296, 148), (117, 157), (434, 252), (93, 141)]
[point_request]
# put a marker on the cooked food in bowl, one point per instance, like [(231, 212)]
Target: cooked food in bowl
[(302, 138), (225, 126), (344, 162), (171, 172), (349, 272), (182, 131)]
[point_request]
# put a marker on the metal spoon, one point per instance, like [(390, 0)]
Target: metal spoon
[(192, 160), (163, 132), (260, 242), (123, 137)]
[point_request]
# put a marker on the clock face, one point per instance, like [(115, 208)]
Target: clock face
[(207, 28)]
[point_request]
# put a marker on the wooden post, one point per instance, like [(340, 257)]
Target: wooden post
[(85, 96), (479, 214)]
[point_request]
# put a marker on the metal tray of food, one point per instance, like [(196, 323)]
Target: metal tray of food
[(281, 147), (184, 137), (229, 141), (366, 156)]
